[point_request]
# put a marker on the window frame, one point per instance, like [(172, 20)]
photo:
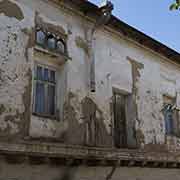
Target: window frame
[(44, 115)]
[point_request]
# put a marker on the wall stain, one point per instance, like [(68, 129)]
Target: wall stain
[(94, 120), (11, 9), (31, 40), (136, 67), (26, 116), (76, 132), (151, 147), (18, 123), (2, 109), (23, 118), (81, 43), (140, 138)]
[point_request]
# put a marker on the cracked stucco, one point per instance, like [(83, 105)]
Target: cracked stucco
[(156, 77), (15, 80)]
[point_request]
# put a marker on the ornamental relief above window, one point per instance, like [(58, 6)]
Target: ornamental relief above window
[(50, 37), (50, 41)]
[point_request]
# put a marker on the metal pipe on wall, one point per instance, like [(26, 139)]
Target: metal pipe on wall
[(106, 12)]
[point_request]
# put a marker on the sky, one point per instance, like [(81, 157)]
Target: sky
[(151, 17)]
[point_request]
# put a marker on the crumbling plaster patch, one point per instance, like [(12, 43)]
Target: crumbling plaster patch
[(47, 128), (10, 9), (157, 79), (15, 68), (81, 43), (149, 105), (112, 69), (136, 67), (50, 26), (72, 129)]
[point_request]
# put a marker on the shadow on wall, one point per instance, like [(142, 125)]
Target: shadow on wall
[(69, 173)]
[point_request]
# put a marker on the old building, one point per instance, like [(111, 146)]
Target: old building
[(84, 96)]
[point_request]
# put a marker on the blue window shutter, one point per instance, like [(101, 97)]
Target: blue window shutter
[(40, 37), (52, 76), (39, 72), (51, 99), (51, 42), (169, 121), (40, 98), (46, 74)]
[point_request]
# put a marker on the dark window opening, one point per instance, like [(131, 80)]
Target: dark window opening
[(45, 91), (40, 98), (120, 135)]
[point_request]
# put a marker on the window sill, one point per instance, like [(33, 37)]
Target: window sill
[(52, 53), (51, 117)]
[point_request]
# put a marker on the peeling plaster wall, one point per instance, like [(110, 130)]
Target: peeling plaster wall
[(156, 77), (16, 25), (70, 128), (137, 72)]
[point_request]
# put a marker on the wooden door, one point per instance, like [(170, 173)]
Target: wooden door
[(120, 138)]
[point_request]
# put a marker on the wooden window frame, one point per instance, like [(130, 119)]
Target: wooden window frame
[(46, 83)]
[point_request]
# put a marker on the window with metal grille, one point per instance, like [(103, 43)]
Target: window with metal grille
[(170, 116), (44, 91)]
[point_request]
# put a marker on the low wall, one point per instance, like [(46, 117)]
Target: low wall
[(27, 171)]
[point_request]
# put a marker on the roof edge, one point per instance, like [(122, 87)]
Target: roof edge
[(91, 10)]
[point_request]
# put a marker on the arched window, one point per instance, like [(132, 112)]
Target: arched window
[(40, 37), (60, 46), (51, 42)]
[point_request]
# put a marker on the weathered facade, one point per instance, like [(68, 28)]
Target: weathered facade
[(53, 122)]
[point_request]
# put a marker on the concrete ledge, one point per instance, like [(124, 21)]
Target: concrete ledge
[(89, 155)]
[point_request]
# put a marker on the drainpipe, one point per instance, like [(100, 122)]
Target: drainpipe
[(106, 12)]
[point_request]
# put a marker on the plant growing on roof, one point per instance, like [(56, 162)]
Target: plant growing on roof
[(175, 5)]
